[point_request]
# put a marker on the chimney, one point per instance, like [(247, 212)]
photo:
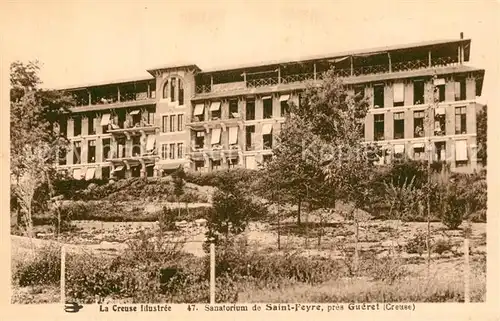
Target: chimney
[(461, 35)]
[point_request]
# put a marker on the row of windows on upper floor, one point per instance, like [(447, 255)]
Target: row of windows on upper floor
[(439, 125)]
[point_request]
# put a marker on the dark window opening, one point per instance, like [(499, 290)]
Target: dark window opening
[(233, 108), (121, 118), (439, 124), (268, 141), (77, 152), (250, 133), (378, 96), (399, 126), (266, 159), (164, 124), (150, 171), (171, 151), (135, 171), (136, 146), (250, 109), (181, 93), (136, 120), (91, 152), (216, 114), (232, 162), (418, 92), (460, 90), (418, 124), (180, 122), (440, 151), (216, 164), (378, 128), (199, 165), (63, 127), (268, 108), (460, 120), (77, 126), (419, 153), (91, 124), (165, 90), (463, 163), (152, 89), (172, 89), (199, 140), (105, 172), (106, 148), (441, 92), (62, 156), (284, 108), (172, 123)]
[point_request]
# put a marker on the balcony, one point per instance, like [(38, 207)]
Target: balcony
[(136, 130), (216, 152)]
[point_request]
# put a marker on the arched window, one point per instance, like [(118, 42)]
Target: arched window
[(181, 93), (165, 90), (172, 89)]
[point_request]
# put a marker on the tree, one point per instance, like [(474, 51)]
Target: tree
[(179, 176), (34, 135), (482, 131)]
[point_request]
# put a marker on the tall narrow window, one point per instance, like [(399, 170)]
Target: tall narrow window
[(399, 125), (164, 124), (284, 105), (180, 122), (91, 151), (106, 148), (418, 92), (77, 147), (165, 90), (233, 108), (399, 94), (440, 89), (378, 96), (172, 123), (180, 150), (461, 120), (151, 118), (250, 109), (460, 89), (199, 140), (439, 121), (61, 156), (268, 107), (418, 124), (267, 136), (164, 151), (77, 126), (172, 89), (171, 150), (250, 132), (91, 125), (181, 93), (378, 127)]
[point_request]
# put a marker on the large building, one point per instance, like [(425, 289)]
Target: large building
[(214, 119)]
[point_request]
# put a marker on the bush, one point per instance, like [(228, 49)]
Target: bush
[(441, 246), (44, 268), (166, 219), (417, 244), (387, 269), (453, 210)]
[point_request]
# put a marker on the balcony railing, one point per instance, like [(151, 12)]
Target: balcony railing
[(345, 72)]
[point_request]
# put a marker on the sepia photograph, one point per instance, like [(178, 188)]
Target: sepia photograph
[(227, 153)]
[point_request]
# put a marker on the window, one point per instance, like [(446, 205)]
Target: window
[(172, 89), (77, 150), (61, 155), (215, 110), (164, 151), (267, 136), (136, 118), (461, 157), (136, 146), (164, 124), (63, 127), (440, 151), (165, 90), (105, 172), (181, 93), (418, 124), (180, 150), (419, 153), (284, 108), (121, 118), (172, 123), (378, 128), (250, 133), (199, 165), (439, 121), (418, 92), (91, 152), (250, 109), (91, 125), (171, 150), (151, 118), (268, 107), (77, 126), (199, 139), (440, 89), (399, 125), (105, 123), (216, 164), (460, 120), (180, 122), (232, 162), (378, 96), (266, 158), (106, 148), (399, 94), (460, 90), (233, 108)]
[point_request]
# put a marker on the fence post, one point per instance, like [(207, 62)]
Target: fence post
[(212, 273), (63, 274), (466, 271)]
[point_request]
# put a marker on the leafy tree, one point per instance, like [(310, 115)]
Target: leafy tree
[(34, 134), (179, 176), (482, 129)]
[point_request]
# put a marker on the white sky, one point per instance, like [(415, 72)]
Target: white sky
[(90, 42)]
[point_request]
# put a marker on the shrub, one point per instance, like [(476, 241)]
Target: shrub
[(417, 244), (166, 219), (386, 269), (453, 210), (44, 268), (441, 246)]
